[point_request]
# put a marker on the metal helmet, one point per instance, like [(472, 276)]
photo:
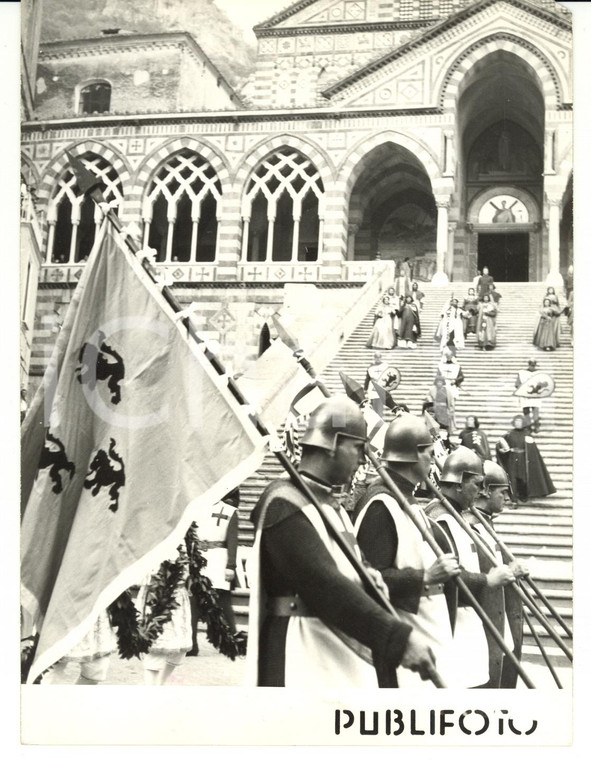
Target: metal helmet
[(494, 476), (337, 416), (462, 461), (404, 435)]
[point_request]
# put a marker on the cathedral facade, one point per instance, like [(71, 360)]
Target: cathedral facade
[(434, 130)]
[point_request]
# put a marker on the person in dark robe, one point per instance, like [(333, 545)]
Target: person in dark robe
[(520, 457), (470, 309), (409, 325), (484, 283), (473, 438)]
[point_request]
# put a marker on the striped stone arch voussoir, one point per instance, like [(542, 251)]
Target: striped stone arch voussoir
[(319, 157), (60, 163), (352, 164), (541, 68), (163, 152), (29, 164)]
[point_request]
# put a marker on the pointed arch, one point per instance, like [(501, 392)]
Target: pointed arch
[(181, 206), (540, 67)]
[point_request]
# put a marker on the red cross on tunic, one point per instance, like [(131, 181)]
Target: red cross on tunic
[(220, 515)]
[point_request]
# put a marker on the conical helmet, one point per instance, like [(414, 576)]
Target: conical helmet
[(337, 416), (403, 437), (494, 475), (461, 461)]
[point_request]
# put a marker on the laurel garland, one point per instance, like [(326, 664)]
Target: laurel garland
[(135, 634), (219, 634)]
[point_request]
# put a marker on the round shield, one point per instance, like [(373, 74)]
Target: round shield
[(537, 385), (390, 378)]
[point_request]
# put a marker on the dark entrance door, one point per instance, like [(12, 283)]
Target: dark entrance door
[(505, 255)]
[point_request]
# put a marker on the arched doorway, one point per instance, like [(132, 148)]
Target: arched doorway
[(504, 222), (501, 119), (392, 213)]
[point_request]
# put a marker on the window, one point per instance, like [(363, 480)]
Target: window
[(95, 98), (73, 218), (181, 208), (283, 210)]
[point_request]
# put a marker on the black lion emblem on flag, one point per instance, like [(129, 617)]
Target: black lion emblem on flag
[(106, 471), (101, 362), (53, 455)]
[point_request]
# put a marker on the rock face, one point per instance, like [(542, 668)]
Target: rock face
[(220, 39)]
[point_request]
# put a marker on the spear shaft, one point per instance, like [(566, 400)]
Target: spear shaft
[(478, 541), (290, 341), (526, 578), (88, 183)]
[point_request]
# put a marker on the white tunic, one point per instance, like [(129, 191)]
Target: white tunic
[(470, 645), (314, 654), (432, 617)]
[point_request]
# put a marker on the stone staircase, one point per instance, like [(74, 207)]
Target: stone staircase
[(539, 532)]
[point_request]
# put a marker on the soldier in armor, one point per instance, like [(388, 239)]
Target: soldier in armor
[(501, 603), (461, 482), (380, 372), (532, 408), (418, 581), (311, 623)]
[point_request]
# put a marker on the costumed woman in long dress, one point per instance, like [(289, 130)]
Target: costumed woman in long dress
[(382, 335), (169, 649), (520, 457), (470, 309), (410, 324), (486, 324), (546, 332)]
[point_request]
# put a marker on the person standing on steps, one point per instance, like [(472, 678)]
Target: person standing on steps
[(450, 330), (520, 457), (500, 603), (461, 481), (486, 325), (311, 622), (417, 580), (409, 330), (470, 309), (381, 374), (485, 281), (473, 438), (417, 295), (546, 334), (530, 406), (382, 335)]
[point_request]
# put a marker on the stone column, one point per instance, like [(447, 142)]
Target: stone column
[(449, 153), (449, 260), (440, 277), (351, 241), (554, 277)]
